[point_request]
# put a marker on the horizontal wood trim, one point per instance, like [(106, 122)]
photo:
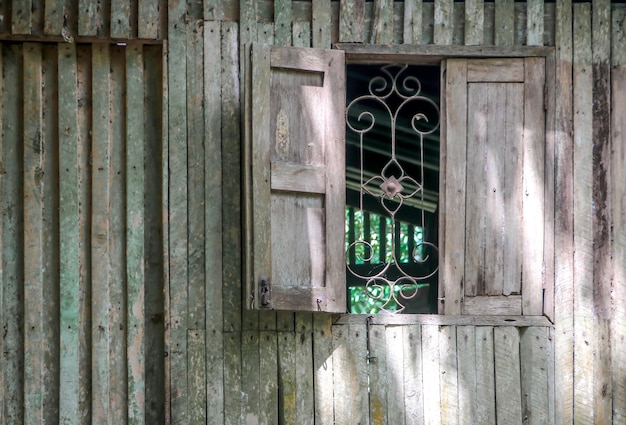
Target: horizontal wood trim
[(442, 320), (298, 178), (498, 305), (295, 58), (302, 299), (425, 54), (495, 70)]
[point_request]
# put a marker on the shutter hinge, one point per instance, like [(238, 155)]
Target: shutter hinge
[(264, 291)]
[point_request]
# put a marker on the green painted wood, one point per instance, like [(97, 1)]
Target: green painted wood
[(301, 34), (321, 23), (53, 18), (233, 397), (12, 234), (584, 331), (382, 22), (91, 18), (100, 231), (135, 234), (288, 413), (282, 22), (178, 210), (196, 353), (21, 16), (412, 23), (504, 23), (250, 378), (117, 323), (323, 367), (213, 222), (231, 179), (121, 19), (443, 22), (33, 235), (474, 22), (535, 23), (270, 360), (148, 20), (351, 21)]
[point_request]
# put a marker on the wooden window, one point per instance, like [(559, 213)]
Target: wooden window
[(492, 191)]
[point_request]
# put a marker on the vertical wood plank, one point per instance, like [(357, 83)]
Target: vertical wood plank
[(351, 21), (601, 201), (533, 209), (444, 22), (12, 234), (321, 23), (564, 279), (196, 344), (507, 375), (474, 22), (382, 22), (21, 16), (2, 212), (231, 181), (412, 24), (583, 217), (213, 223), (269, 356), (449, 375), (534, 23), (148, 22), (504, 23), (233, 395), (305, 397), (395, 375), (33, 234), (301, 34), (100, 231), (452, 184), (117, 313), (282, 22), (549, 189), (466, 342), (121, 19), (350, 374), (53, 17), (93, 19), (380, 386), (287, 377), (485, 376), (431, 374), (413, 375), (135, 234), (323, 367), (250, 377), (618, 188), (535, 357)]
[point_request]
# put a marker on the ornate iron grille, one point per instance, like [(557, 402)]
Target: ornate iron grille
[(393, 118)]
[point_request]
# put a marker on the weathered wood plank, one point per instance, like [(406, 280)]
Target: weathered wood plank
[(178, 210), (396, 391), (287, 377), (504, 23), (474, 22), (535, 23), (350, 373), (378, 374), (196, 354), (323, 367), (431, 374), (12, 234), (135, 234), (231, 180), (33, 234), (93, 19), (213, 223), (454, 183), (2, 212), (466, 343), (382, 22), (412, 24), (118, 386), (250, 378), (485, 376), (100, 230), (301, 34), (443, 22), (507, 375), (618, 165), (449, 375), (21, 16), (601, 200), (564, 277), (233, 397), (583, 216), (53, 17), (413, 374), (282, 22), (269, 352), (305, 399), (351, 21), (534, 356), (533, 209), (321, 23), (148, 21), (549, 187), (121, 19)]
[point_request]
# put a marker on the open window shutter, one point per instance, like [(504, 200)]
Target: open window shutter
[(493, 187), (297, 179)]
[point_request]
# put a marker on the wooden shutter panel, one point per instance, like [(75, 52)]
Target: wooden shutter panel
[(297, 179), (493, 187)]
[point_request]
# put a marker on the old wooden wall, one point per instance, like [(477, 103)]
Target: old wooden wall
[(122, 284)]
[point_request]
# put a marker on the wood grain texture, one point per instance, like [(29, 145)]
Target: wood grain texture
[(351, 21), (148, 19), (534, 352), (413, 375), (443, 22), (121, 19), (474, 22), (382, 22), (412, 22), (507, 375), (321, 12), (535, 23), (431, 374), (504, 23)]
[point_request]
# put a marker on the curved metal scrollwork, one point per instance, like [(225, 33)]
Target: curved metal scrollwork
[(392, 95)]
